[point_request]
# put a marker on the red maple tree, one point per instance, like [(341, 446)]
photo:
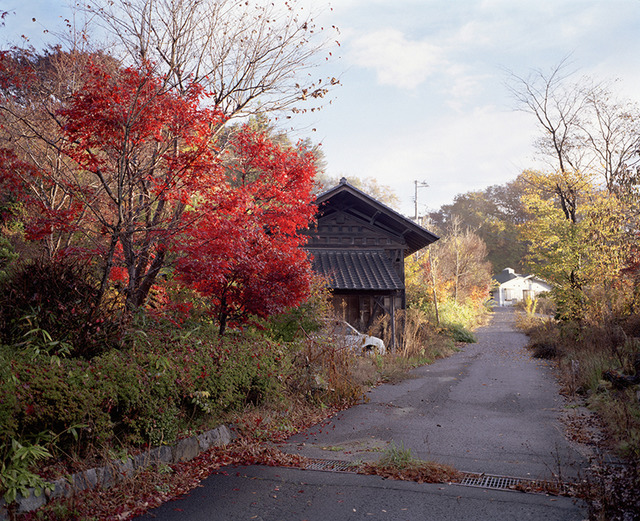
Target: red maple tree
[(142, 153), (143, 183), (244, 254)]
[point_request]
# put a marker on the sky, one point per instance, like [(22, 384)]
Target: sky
[(423, 94)]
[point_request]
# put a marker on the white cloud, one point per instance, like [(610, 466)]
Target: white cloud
[(453, 154), (397, 60)]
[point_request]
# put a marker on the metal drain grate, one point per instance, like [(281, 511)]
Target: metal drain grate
[(510, 483), (468, 479), (497, 482), (332, 465)]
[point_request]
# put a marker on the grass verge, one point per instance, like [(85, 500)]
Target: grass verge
[(596, 365)]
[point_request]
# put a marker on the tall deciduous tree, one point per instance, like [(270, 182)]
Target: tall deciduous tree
[(582, 259), (109, 159), (586, 132), (463, 264), (244, 254), (142, 153), (579, 230)]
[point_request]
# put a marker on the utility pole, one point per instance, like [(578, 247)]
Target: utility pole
[(419, 184)]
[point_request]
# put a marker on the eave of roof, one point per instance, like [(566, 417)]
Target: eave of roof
[(363, 206)]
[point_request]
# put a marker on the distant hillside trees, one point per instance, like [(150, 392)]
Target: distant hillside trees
[(494, 215)]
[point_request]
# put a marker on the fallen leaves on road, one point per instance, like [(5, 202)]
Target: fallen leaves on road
[(418, 471)]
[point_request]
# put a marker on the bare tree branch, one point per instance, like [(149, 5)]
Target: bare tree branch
[(251, 56)]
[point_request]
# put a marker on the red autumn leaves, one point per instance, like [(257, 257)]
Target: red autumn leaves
[(148, 189)]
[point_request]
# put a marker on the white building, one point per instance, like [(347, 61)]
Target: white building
[(514, 287)]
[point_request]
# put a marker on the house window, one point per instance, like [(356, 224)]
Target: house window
[(509, 294)]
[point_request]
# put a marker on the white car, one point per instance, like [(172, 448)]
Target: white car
[(355, 340)]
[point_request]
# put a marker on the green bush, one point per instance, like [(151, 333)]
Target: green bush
[(137, 396), (466, 315), (461, 334), (9, 405), (307, 317), (50, 305), (142, 396), (54, 397)]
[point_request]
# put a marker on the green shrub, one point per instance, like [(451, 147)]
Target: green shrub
[(306, 317), (9, 405), (56, 299), (459, 333), (143, 397), (467, 315), (169, 380), (55, 397)]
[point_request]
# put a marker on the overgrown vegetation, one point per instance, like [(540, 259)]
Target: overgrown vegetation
[(448, 285), (598, 364)]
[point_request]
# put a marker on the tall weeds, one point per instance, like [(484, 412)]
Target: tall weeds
[(590, 356), (417, 342)]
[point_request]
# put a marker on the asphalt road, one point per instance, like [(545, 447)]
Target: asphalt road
[(488, 409), (270, 494)]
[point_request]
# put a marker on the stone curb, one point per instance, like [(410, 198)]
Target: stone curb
[(105, 477)]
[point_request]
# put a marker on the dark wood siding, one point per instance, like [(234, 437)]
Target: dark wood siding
[(360, 245)]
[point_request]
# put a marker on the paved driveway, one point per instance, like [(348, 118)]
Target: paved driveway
[(490, 408)]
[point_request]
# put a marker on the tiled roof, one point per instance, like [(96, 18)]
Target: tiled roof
[(506, 275), (357, 269)]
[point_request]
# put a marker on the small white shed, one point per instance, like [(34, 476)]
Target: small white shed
[(513, 287)]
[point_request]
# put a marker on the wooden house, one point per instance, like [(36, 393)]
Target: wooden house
[(359, 245)]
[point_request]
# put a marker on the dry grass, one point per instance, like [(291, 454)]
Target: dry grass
[(398, 463), (584, 352), (416, 337), (419, 471)]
